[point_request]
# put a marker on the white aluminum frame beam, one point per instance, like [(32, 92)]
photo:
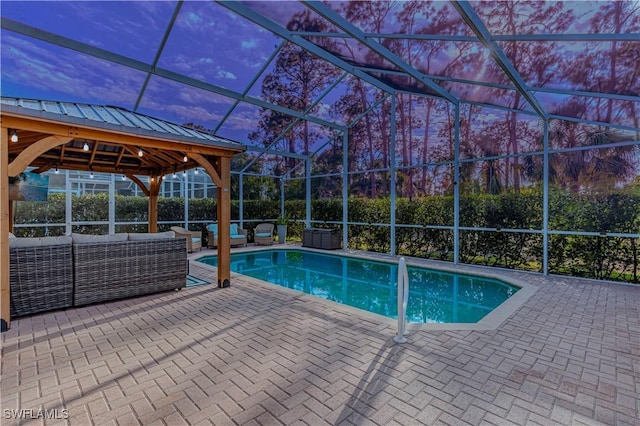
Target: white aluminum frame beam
[(371, 108), (282, 32), (295, 122), (310, 157), (532, 89), (595, 123), (471, 18), (163, 43), (456, 187), (106, 55), (393, 178), (250, 85), (267, 150), (376, 47), (345, 190), (472, 39), (545, 199)]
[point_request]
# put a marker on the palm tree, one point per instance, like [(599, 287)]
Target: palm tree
[(602, 166)]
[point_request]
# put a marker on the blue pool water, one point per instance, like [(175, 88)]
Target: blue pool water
[(434, 296)]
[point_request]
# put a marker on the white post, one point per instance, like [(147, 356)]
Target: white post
[(112, 205), (282, 213), (545, 198), (240, 199), (456, 185), (186, 199), (67, 204), (345, 189), (403, 297), (394, 176), (307, 186)]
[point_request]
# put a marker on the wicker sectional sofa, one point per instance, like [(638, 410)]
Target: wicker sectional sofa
[(126, 265), (84, 269), (40, 274)]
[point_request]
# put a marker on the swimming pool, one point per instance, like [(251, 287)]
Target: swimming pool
[(434, 296)]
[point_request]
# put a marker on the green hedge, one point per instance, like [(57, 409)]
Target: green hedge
[(602, 257)]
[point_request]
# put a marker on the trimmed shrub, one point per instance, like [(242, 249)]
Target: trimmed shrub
[(610, 257)]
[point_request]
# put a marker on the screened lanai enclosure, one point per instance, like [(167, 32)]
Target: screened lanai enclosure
[(502, 133)]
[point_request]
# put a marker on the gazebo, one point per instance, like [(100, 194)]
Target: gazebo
[(47, 135)]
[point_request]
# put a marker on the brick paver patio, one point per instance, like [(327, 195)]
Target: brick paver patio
[(255, 354)]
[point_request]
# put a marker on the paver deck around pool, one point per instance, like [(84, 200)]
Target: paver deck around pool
[(256, 354)]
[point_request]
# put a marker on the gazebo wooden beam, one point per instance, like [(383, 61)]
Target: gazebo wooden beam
[(143, 160), (5, 306), (213, 174), (120, 154), (164, 156), (33, 151), (115, 137), (94, 149), (138, 182), (98, 167), (43, 168)]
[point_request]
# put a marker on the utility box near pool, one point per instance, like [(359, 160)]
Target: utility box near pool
[(327, 239)]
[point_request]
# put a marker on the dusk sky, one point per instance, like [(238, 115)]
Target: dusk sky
[(214, 45)]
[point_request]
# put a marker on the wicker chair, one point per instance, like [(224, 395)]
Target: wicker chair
[(263, 234), (238, 236), (194, 238)]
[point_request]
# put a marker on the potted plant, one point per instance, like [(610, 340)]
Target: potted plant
[(281, 224)]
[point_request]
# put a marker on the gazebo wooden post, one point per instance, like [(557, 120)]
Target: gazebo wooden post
[(154, 191), (220, 173), (11, 214), (224, 222), (5, 289)]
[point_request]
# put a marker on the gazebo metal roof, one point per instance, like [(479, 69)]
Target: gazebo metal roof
[(113, 118), (84, 153)]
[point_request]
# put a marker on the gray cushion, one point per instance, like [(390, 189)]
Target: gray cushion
[(37, 242), (24, 242), (82, 238), (151, 236), (54, 241)]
